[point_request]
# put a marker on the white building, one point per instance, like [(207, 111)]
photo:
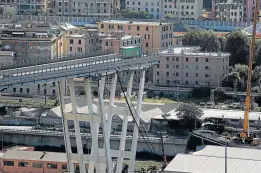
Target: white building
[(182, 9), (212, 159), (230, 10), (187, 66)]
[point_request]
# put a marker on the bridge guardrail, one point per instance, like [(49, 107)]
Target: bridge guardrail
[(43, 60)]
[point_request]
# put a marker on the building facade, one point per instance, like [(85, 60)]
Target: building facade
[(230, 10), (27, 6), (34, 162), (187, 66), (94, 8), (182, 9), (34, 39), (154, 35)]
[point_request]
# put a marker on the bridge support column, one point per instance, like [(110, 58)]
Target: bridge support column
[(136, 129), (77, 127), (67, 142), (124, 126)]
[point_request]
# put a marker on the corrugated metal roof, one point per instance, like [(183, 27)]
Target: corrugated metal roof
[(211, 160), (232, 152)]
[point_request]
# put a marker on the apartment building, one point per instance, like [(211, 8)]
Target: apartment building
[(115, 43), (34, 39), (13, 161), (81, 41), (249, 6), (95, 8), (27, 6), (187, 66), (154, 35), (182, 9), (230, 10)]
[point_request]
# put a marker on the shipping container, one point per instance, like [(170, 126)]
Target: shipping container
[(128, 52)]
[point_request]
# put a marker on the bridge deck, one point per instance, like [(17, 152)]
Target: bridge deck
[(83, 67)]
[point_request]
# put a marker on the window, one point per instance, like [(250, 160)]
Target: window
[(206, 59), (147, 44), (158, 73), (79, 49), (138, 28), (45, 91), (196, 67), (186, 82), (158, 66), (167, 58), (79, 41), (129, 27), (51, 166), (167, 65), (157, 80), (186, 67), (196, 59), (186, 74), (70, 48), (196, 82), (177, 59), (168, 81), (64, 166), (27, 90), (71, 41), (207, 75), (177, 73), (167, 73), (102, 25), (53, 84), (37, 165), (147, 28), (53, 92), (186, 59), (8, 163), (14, 90), (177, 66), (196, 74), (21, 90), (206, 67), (23, 164)]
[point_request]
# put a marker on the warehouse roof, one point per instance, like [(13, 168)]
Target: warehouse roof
[(211, 159)]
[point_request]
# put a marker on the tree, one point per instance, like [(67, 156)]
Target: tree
[(169, 16), (230, 79), (202, 38), (242, 71), (200, 92), (238, 46), (222, 41), (189, 115), (135, 14), (256, 76)]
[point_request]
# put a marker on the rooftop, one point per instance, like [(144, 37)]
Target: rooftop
[(35, 155), (134, 22), (192, 51), (212, 159)]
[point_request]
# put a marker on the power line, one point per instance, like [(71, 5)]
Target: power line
[(149, 146)]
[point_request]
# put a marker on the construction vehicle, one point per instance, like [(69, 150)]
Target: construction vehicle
[(245, 136)]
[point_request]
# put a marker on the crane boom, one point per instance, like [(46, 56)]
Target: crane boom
[(245, 132)]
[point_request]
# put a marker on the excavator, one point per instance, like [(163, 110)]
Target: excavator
[(245, 137)]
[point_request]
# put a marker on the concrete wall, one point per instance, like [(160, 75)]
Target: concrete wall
[(171, 147)]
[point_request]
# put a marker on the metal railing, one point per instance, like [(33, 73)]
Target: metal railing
[(45, 60), (70, 19), (72, 68)]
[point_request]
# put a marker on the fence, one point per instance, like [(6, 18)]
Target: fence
[(88, 20)]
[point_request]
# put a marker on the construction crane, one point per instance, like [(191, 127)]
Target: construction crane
[(245, 136)]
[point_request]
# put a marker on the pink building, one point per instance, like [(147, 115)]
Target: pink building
[(115, 43), (249, 6), (80, 41), (34, 162)]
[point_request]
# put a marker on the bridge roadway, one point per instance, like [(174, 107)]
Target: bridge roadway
[(65, 68)]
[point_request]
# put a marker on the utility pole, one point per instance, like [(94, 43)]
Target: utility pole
[(226, 157)]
